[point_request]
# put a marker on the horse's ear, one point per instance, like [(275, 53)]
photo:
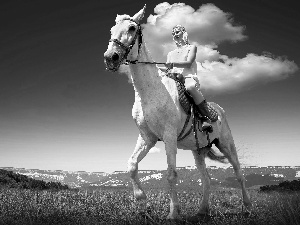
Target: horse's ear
[(139, 16)]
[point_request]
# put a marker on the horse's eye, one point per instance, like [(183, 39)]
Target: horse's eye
[(131, 28)]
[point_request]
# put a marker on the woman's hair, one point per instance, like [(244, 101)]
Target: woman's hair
[(185, 34)]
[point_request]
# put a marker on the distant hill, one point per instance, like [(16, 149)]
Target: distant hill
[(187, 177), (73, 179), (10, 179)]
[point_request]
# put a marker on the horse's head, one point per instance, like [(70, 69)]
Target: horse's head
[(123, 38)]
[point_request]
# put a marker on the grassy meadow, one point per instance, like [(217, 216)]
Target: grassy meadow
[(25, 206)]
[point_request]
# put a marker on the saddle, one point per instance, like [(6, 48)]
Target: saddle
[(190, 108)]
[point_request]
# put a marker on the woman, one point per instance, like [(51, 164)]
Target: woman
[(182, 61)]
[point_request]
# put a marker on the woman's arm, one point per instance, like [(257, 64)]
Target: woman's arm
[(168, 65), (168, 57)]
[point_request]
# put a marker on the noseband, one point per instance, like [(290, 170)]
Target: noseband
[(127, 49)]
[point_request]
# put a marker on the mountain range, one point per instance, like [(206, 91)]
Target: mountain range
[(187, 177)]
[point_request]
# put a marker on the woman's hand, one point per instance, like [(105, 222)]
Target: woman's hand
[(180, 77), (163, 69), (169, 65)]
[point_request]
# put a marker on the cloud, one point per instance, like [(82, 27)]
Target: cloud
[(207, 27), (234, 74), (155, 150)]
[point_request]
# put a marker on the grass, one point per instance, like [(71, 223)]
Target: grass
[(119, 207)]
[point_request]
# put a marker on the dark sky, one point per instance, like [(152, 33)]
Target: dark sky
[(60, 109)]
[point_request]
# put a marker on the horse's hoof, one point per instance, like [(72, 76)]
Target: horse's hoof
[(204, 210), (140, 195), (248, 207), (173, 220), (203, 217), (247, 210)]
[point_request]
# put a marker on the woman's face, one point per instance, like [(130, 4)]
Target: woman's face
[(177, 34)]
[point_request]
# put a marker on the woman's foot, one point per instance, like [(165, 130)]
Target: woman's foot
[(208, 116)]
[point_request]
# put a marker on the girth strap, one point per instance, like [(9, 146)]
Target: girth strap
[(181, 136)]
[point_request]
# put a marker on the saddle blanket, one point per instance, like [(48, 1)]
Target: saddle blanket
[(188, 138)]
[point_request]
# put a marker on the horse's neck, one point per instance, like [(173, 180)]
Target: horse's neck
[(145, 77)]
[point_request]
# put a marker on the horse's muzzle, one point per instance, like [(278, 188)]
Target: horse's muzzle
[(112, 61)]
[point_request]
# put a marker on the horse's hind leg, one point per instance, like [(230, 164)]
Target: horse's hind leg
[(227, 147), (142, 148)]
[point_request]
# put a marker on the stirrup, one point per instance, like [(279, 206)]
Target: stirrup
[(206, 126)]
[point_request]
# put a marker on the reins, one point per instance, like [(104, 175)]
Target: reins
[(127, 62)]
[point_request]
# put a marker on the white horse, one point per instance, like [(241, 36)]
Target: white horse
[(159, 115)]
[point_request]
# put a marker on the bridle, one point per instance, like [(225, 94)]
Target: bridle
[(138, 35)]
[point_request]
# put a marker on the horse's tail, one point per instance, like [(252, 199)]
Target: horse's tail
[(216, 157)]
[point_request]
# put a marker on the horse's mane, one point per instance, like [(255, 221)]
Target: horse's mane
[(122, 17)]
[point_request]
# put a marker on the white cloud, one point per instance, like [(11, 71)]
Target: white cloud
[(236, 74), (155, 150), (207, 52), (207, 27)]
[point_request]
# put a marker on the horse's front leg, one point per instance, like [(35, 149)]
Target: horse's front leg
[(201, 166), (143, 146), (171, 150)]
